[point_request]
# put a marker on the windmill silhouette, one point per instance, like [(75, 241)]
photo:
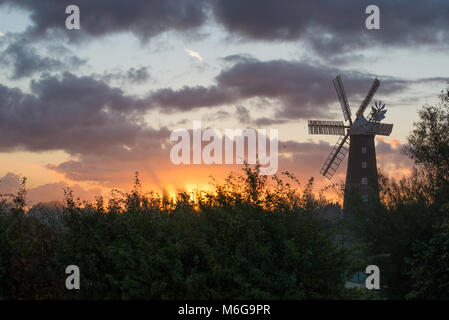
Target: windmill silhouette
[(357, 138)]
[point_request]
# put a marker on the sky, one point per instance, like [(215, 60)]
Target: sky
[(87, 108)]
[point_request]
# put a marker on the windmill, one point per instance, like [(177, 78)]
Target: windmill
[(357, 139)]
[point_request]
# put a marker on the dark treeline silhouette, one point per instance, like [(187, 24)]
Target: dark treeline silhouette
[(253, 237), (406, 234)]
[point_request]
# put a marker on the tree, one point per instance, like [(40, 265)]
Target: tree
[(405, 236), (428, 145), (429, 265)]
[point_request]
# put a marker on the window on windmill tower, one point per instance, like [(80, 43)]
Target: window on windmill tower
[(364, 180), (365, 197), (363, 150), (363, 164)]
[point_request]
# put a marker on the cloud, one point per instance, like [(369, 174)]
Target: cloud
[(337, 27), (390, 158), (55, 191), (194, 54), (188, 98), (432, 80), (103, 128), (2, 34), (9, 184), (264, 121), (155, 169), (305, 159), (116, 169), (238, 58), (80, 115), (334, 29), (99, 126), (218, 115), (244, 117), (25, 61), (138, 76), (301, 89), (132, 76), (145, 19), (95, 122)]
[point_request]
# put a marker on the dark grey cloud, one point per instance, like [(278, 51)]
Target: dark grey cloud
[(302, 90), (238, 58), (80, 115), (337, 27), (433, 80), (332, 28), (299, 86), (264, 121), (101, 127), (145, 19), (83, 115), (243, 115), (131, 76), (212, 116), (138, 76), (188, 98), (24, 60)]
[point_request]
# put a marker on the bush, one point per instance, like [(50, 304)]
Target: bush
[(251, 238)]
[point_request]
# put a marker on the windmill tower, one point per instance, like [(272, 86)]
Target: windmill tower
[(357, 138)]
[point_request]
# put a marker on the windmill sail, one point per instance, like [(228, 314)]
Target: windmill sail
[(383, 129), (378, 112), (368, 98), (336, 157), (338, 84), (326, 127), (361, 133)]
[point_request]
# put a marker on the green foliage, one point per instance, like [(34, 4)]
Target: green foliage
[(384, 233), (429, 264), (252, 238), (428, 145), (27, 249), (406, 233)]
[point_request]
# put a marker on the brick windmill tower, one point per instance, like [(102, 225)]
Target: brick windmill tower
[(357, 138)]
